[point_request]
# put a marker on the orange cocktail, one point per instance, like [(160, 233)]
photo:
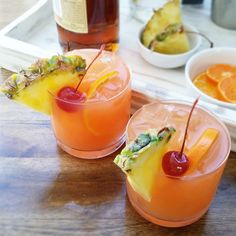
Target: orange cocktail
[(95, 127), (179, 201)]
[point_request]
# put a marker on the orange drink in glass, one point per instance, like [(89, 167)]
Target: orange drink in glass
[(182, 200), (95, 127)]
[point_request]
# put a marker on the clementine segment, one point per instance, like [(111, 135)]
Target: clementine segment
[(218, 72), (227, 89), (95, 126), (102, 119), (101, 81), (199, 150), (206, 85)]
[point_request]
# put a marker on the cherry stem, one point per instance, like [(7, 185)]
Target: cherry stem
[(186, 129), (204, 36), (94, 59)]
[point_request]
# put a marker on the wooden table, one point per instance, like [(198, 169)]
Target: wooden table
[(44, 191)]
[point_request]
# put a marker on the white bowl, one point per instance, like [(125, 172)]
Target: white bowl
[(201, 61), (171, 60)]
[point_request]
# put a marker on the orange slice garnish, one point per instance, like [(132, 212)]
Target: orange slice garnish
[(199, 150), (206, 85), (92, 123), (218, 72), (227, 89), (97, 83)]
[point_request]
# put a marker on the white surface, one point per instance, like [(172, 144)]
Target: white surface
[(201, 61), (170, 61), (16, 49), (34, 35)]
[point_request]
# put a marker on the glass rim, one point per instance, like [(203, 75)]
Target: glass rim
[(125, 88), (182, 102)]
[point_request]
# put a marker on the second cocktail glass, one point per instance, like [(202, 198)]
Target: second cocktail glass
[(182, 200)]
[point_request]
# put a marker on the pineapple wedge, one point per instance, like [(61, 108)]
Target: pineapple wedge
[(164, 33), (141, 159), (31, 86)]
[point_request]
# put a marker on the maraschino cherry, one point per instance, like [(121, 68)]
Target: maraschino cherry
[(175, 163), (68, 97)]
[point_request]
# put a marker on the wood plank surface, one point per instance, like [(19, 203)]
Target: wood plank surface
[(44, 191)]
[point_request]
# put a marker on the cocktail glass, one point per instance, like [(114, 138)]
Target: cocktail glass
[(180, 201), (96, 127)]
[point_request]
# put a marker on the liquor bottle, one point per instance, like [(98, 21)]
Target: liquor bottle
[(192, 1), (86, 23)]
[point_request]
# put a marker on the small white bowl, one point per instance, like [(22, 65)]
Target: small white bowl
[(201, 61), (171, 60)]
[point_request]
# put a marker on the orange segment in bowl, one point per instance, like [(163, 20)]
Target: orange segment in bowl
[(203, 83), (218, 72), (198, 151), (227, 89)]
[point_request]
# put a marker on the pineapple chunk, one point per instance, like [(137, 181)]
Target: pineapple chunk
[(164, 33), (31, 87), (141, 159)]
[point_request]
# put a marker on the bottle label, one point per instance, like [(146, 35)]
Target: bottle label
[(71, 15)]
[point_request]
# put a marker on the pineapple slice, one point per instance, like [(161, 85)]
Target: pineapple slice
[(141, 159), (31, 87), (164, 33)]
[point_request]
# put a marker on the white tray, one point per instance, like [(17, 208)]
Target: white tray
[(34, 35)]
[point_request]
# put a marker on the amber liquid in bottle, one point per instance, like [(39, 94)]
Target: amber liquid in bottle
[(101, 18)]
